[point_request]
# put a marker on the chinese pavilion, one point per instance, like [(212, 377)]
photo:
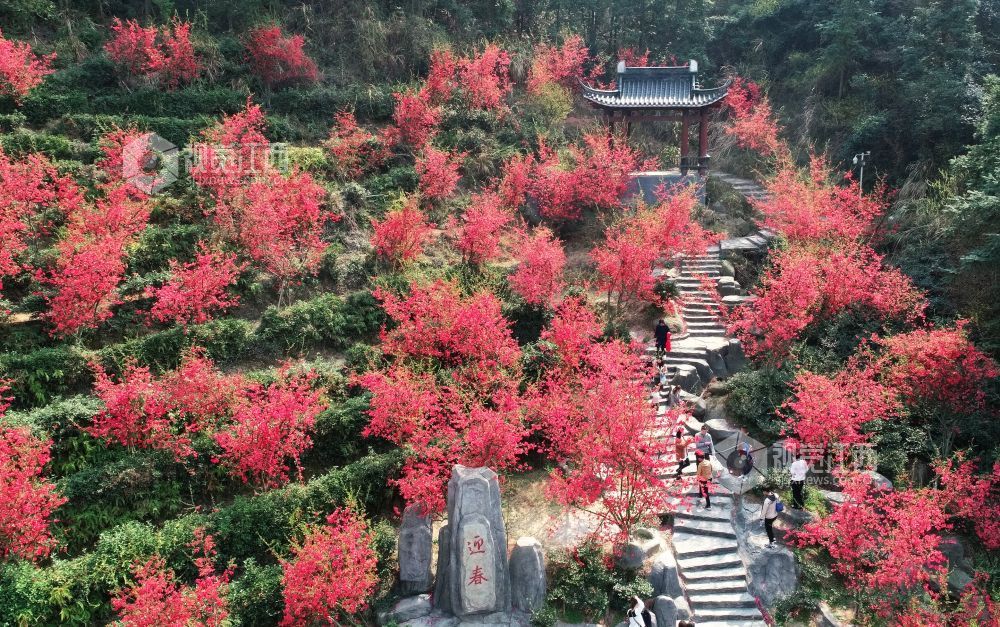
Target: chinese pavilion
[(667, 94)]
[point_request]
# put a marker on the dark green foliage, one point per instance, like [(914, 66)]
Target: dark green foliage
[(583, 585), (337, 439), (158, 244), (328, 320), (527, 321), (223, 340), (35, 378), (71, 450), (134, 487), (22, 142), (370, 103), (255, 596), (754, 395)]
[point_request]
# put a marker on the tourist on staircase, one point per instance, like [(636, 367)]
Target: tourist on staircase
[(662, 334), (681, 442), (703, 441), (798, 470), (704, 477), (768, 513)]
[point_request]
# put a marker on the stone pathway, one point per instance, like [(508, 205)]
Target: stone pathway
[(713, 574)]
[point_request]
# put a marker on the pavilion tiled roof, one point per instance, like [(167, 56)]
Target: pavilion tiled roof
[(656, 88)]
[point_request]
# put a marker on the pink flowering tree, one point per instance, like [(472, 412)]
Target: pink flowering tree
[(278, 59), (331, 575), (21, 70), (196, 290)]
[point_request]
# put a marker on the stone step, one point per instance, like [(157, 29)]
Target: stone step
[(720, 514), (717, 529), (727, 623), (722, 562), (716, 575), (729, 616), (704, 370), (726, 600), (732, 586), (688, 545), (713, 333)]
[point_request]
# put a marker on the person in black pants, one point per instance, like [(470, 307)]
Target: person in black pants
[(662, 335), (798, 471)]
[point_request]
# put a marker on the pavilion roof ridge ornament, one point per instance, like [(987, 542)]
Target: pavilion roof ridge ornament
[(656, 87)]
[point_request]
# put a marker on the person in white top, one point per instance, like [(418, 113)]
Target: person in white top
[(639, 616), (768, 513), (798, 470)]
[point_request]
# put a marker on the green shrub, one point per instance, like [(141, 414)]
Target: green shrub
[(583, 586), (754, 395), (142, 486), (337, 438), (223, 340), (27, 591), (255, 597), (22, 142), (71, 449), (327, 320), (160, 243), (39, 376), (11, 121), (370, 103)]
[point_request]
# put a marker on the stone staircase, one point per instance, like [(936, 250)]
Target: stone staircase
[(709, 563)]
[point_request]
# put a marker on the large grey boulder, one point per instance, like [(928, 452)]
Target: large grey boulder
[(688, 378), (735, 359), (717, 363), (527, 575), (727, 268), (772, 574), (664, 577), (825, 616), (959, 567), (478, 581), (665, 611), (442, 589), (415, 546)]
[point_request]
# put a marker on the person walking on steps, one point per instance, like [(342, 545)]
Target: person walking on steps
[(798, 471), (703, 441), (662, 335), (704, 478), (680, 448), (768, 513)]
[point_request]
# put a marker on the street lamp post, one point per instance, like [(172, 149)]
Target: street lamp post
[(859, 159)]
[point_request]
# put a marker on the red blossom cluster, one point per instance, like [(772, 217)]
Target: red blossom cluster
[(632, 248), (354, 150), (21, 70), (400, 236), (416, 118), (597, 176), (485, 78), (598, 425), (808, 207), (277, 219), (467, 409), (808, 284), (269, 427), (438, 171), (481, 229), (938, 365), (157, 598), (561, 65), (164, 56), (195, 290), (278, 59), (27, 498), (91, 256), (331, 573), (831, 410), (31, 186), (753, 123), (258, 428), (888, 541), (538, 278)]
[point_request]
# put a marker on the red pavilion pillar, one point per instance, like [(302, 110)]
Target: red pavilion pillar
[(685, 140), (703, 142)]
